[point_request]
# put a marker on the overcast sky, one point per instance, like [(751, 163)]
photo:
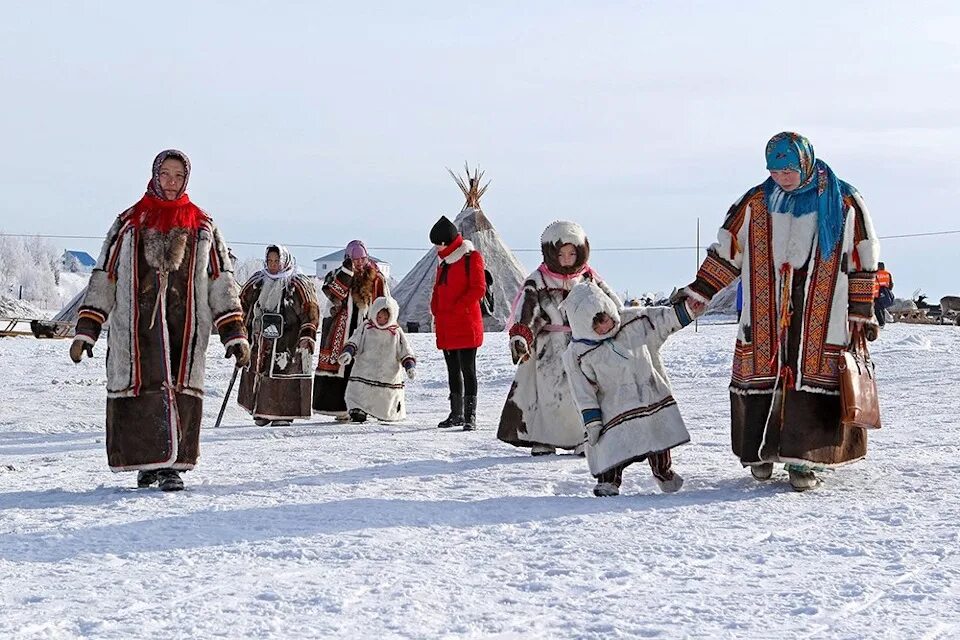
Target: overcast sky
[(315, 123)]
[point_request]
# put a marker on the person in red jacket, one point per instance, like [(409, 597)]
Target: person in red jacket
[(455, 304)]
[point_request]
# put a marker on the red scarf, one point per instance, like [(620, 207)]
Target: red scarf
[(450, 248), (392, 328), (152, 212)]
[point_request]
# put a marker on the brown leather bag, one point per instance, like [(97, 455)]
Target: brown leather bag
[(859, 404)]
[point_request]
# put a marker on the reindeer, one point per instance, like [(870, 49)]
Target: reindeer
[(950, 308)]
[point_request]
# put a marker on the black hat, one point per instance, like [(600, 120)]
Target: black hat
[(443, 232)]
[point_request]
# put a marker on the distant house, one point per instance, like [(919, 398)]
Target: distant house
[(77, 262), (331, 261)]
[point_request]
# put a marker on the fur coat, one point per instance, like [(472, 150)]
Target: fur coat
[(539, 408), (277, 383), (618, 379), (164, 293), (381, 354), (350, 295), (782, 270)]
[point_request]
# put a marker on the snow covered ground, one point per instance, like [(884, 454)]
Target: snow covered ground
[(405, 531)]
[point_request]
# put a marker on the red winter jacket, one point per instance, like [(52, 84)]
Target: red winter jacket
[(455, 303)]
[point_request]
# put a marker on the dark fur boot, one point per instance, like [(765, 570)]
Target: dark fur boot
[(170, 480)]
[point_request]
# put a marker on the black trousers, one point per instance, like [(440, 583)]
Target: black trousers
[(461, 371), (878, 311)]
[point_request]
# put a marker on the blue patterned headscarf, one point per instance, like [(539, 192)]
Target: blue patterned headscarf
[(820, 190)]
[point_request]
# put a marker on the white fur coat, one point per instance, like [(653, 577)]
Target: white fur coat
[(619, 378)]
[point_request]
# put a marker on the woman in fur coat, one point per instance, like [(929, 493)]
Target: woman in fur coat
[(620, 386), (380, 355), (281, 316), (455, 304), (539, 412), (350, 289), (165, 281), (805, 247)]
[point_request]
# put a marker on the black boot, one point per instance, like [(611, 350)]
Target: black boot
[(170, 480), (358, 415), (470, 413), (455, 419), (145, 479)]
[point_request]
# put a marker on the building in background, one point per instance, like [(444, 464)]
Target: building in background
[(77, 261)]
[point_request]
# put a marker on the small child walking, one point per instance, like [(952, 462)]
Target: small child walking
[(620, 386), (381, 354)]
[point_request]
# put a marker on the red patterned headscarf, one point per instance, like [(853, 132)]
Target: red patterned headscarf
[(154, 211)]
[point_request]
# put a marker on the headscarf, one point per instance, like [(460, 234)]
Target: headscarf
[(356, 249), (820, 190), (154, 211), (271, 293)]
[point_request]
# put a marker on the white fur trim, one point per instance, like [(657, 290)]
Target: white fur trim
[(696, 296), (384, 303), (825, 392), (84, 338), (749, 392), (564, 232), (230, 343), (465, 248), (823, 465)]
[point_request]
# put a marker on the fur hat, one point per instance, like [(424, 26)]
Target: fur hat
[(558, 234), (444, 231)]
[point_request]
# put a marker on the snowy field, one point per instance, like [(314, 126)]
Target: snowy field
[(406, 531)]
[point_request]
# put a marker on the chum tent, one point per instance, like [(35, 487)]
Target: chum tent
[(414, 291)]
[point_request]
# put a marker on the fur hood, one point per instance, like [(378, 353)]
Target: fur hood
[(558, 234), (584, 302), (384, 303)]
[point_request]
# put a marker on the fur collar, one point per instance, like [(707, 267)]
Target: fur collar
[(165, 251), (465, 247)]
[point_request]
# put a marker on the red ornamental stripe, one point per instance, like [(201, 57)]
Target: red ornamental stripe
[(229, 317), (188, 326), (90, 314), (134, 285), (214, 262), (114, 255)]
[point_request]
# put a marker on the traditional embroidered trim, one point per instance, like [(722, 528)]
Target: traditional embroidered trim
[(819, 358), (377, 383), (639, 412), (523, 331), (861, 286), (339, 287), (763, 290), (716, 273)]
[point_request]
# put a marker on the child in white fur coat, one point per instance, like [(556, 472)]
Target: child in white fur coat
[(381, 354), (620, 386)]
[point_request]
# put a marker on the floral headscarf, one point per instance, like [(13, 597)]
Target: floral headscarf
[(820, 190)]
